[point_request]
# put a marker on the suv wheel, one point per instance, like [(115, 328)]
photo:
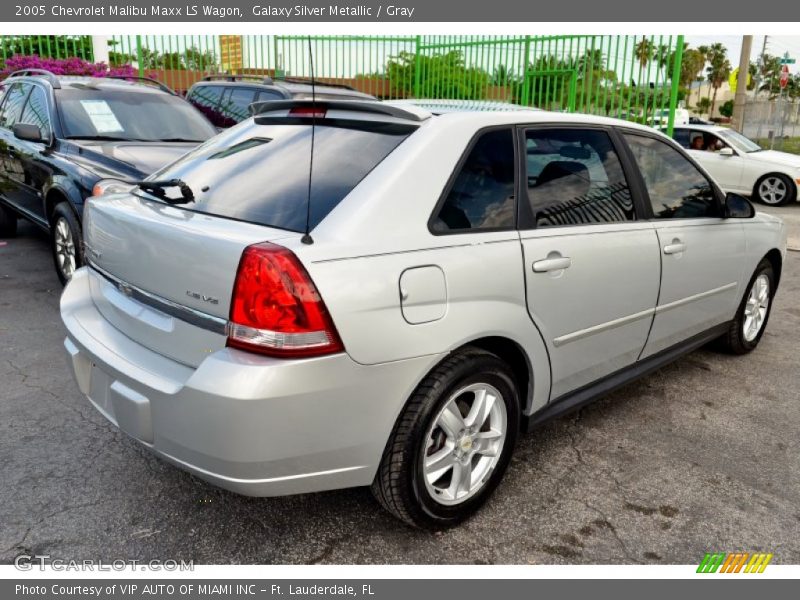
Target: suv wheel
[(65, 235), (8, 222), (452, 443), (751, 319), (775, 190)]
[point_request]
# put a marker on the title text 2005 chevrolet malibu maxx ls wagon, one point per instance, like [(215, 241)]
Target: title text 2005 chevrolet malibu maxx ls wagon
[(470, 274)]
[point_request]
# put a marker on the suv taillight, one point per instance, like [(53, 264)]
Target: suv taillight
[(276, 309)]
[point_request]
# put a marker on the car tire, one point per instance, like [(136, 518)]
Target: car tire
[(66, 241), (410, 487), (775, 189), (748, 326), (8, 222)]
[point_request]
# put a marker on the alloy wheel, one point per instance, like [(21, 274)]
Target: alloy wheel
[(772, 190), (755, 309), (65, 248), (464, 444)]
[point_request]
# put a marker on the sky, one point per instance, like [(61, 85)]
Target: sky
[(776, 45)]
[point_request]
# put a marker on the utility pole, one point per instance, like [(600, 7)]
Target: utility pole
[(758, 84), (740, 99)]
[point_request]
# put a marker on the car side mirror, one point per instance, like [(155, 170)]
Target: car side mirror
[(726, 151), (28, 132), (738, 207)]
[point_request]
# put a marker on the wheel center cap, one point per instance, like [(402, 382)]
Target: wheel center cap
[(465, 443)]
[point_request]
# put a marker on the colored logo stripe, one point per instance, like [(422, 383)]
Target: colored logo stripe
[(734, 562), (711, 562), (758, 563)]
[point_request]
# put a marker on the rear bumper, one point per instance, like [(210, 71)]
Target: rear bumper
[(251, 424)]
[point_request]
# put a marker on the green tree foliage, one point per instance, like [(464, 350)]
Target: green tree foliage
[(56, 46), (703, 104), (726, 110), (767, 71), (191, 59), (692, 65), (718, 70), (644, 52), (440, 75)]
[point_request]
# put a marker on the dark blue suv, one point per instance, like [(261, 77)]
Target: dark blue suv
[(66, 138)]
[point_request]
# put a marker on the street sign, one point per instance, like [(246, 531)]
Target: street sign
[(788, 61), (784, 76)]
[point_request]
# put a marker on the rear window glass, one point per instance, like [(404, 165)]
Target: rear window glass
[(259, 173), (88, 113)]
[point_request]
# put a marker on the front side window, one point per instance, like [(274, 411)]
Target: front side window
[(575, 177), (12, 106), (35, 112), (677, 189), (482, 194)]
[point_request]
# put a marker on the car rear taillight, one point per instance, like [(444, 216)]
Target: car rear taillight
[(276, 308)]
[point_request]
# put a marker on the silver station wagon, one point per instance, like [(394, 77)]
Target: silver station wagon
[(392, 313)]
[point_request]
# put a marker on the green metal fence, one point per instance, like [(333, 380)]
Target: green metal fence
[(50, 46), (629, 77)]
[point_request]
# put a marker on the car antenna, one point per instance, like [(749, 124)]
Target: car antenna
[(307, 239)]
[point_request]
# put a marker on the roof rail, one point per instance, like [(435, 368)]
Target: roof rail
[(378, 108), (51, 78), (317, 82), (265, 79), (162, 86)]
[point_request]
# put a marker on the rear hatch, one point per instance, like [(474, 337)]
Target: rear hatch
[(164, 274)]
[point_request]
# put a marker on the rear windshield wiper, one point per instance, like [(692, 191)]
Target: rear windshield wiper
[(157, 188)]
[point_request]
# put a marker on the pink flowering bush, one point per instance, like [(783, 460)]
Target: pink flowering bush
[(64, 66)]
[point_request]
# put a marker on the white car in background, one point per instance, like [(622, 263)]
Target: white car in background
[(740, 165), (660, 118)]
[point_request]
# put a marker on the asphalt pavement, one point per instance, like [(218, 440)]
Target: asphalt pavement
[(703, 455)]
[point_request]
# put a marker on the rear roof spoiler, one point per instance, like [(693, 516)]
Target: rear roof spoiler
[(363, 106)]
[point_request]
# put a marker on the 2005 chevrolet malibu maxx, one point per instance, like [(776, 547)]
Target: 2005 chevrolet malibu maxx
[(393, 312)]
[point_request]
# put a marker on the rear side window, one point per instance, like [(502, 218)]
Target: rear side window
[(682, 137), (260, 173), (205, 96), (574, 177), (207, 99), (265, 95), (12, 107), (235, 104), (481, 196)]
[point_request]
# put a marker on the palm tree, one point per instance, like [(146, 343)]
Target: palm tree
[(691, 65), (643, 52), (718, 70), (704, 52), (663, 57)]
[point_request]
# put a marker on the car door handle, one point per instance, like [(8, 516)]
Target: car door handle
[(552, 264), (675, 247)]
